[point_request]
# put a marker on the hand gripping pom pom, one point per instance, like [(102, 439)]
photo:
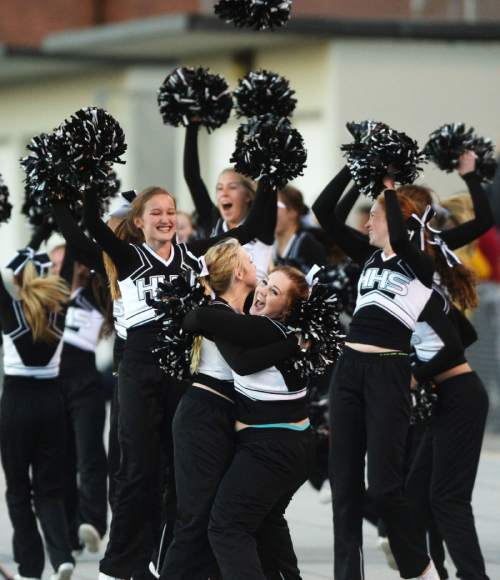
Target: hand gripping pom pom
[(255, 14), (267, 146), (174, 300), (190, 95), (446, 144), (5, 205), (423, 401), (263, 92), (379, 151), (317, 320)]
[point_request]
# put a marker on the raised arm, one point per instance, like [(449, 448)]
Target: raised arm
[(40, 234), (205, 208), (419, 262), (84, 250), (123, 254), (258, 225), (352, 242), (346, 203), (435, 316)]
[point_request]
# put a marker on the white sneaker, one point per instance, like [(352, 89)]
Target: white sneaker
[(430, 573), (152, 568), (19, 577), (77, 553), (64, 571), (103, 576), (89, 537), (383, 544)]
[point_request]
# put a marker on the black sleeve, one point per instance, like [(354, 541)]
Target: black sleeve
[(352, 242), (346, 203), (419, 261), (483, 219), (205, 208), (439, 321), (40, 234), (68, 267), (311, 251), (258, 224), (84, 250), (246, 361), (123, 254), (244, 330)]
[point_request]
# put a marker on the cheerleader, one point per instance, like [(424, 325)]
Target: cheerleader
[(273, 436), (32, 419), (204, 437), (294, 245), (234, 193), (370, 398), (145, 392)]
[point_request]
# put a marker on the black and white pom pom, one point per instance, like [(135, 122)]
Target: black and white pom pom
[(5, 205), (263, 92), (255, 14), (343, 280), (379, 151), (486, 162), (174, 300), (269, 146), (193, 95), (446, 144), (423, 401), (317, 321)]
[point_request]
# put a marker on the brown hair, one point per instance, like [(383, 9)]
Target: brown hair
[(459, 281), (422, 196), (221, 260), (127, 230), (299, 289), (41, 295), (293, 199)]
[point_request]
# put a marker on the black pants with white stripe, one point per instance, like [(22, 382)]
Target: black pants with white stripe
[(147, 401), (269, 466), (450, 456), (370, 414), (32, 437)]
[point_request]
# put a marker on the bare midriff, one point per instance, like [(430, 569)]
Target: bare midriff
[(368, 347)]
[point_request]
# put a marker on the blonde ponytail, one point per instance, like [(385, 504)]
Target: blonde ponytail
[(196, 348), (41, 295)]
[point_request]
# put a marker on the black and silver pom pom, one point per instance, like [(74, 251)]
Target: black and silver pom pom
[(271, 147), (423, 401), (263, 92), (343, 280), (5, 205), (379, 151), (317, 320), (446, 144), (486, 162), (193, 95), (174, 300), (255, 14)]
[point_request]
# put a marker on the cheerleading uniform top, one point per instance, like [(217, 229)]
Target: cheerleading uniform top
[(302, 251), (208, 217), (141, 270), (267, 389), (457, 236), (392, 290), (22, 355)]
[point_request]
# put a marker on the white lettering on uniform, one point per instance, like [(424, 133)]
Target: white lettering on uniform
[(387, 280)]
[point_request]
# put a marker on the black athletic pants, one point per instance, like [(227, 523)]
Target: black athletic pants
[(269, 466), (145, 396), (32, 437), (204, 446), (85, 463), (370, 403), (113, 445), (456, 438)]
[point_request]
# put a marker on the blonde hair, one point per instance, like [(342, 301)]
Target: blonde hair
[(39, 296), (248, 184), (221, 260), (460, 208), (127, 230)]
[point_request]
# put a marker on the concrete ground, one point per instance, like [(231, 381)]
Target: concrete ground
[(311, 524)]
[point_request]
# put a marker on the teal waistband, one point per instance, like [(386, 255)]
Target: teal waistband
[(303, 427)]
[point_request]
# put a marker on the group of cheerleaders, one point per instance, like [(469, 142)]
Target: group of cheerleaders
[(201, 473)]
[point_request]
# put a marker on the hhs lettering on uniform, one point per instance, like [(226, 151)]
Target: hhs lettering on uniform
[(387, 280)]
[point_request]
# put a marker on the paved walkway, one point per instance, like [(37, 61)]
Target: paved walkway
[(310, 522)]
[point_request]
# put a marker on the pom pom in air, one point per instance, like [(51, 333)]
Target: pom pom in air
[(263, 92), (446, 144), (174, 300), (317, 320), (194, 95), (5, 205), (379, 151), (255, 14), (271, 147)]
